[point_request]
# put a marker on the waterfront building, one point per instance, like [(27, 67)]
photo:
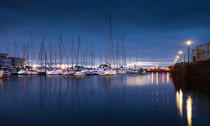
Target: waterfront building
[(201, 52), (7, 62)]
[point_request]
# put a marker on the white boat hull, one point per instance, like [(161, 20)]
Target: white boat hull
[(79, 73), (121, 72), (69, 73), (23, 72), (54, 72)]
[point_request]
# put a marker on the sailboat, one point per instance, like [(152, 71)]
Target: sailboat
[(79, 70), (71, 70), (123, 63), (105, 69), (43, 58), (52, 71)]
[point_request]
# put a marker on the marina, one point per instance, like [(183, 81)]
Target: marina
[(104, 63)]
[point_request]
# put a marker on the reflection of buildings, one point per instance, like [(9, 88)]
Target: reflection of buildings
[(156, 77), (188, 102), (189, 110), (179, 102), (160, 91), (194, 98)]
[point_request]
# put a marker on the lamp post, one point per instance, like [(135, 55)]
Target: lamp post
[(180, 57), (177, 57), (188, 46)]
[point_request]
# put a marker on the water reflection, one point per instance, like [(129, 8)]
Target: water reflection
[(195, 97), (167, 77), (96, 100), (179, 102), (156, 78), (189, 110), (152, 78), (141, 80)]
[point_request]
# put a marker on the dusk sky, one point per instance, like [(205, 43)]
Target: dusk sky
[(156, 29)]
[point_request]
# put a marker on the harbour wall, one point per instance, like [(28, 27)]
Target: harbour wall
[(197, 70)]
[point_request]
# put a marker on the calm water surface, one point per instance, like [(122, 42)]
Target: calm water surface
[(132, 100)]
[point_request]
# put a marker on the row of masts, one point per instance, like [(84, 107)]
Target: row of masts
[(89, 57)]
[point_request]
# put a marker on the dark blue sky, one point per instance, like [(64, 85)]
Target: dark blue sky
[(157, 29)]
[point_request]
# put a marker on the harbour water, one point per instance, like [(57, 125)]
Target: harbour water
[(127, 99)]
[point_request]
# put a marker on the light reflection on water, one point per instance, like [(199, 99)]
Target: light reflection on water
[(149, 99), (179, 102), (189, 110)]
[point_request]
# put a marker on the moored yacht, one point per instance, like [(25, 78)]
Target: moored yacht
[(42, 72), (54, 72), (23, 72), (105, 69), (80, 73)]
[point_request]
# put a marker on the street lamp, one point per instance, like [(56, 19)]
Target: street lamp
[(177, 57), (180, 57), (188, 46)]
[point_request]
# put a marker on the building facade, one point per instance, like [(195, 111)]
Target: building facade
[(8, 62), (202, 52)]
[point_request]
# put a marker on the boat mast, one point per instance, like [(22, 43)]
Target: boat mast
[(50, 46), (123, 52), (78, 47), (111, 42), (42, 53), (117, 54), (45, 60), (86, 55), (72, 53), (16, 50), (60, 51), (55, 61), (24, 51), (32, 49), (27, 54)]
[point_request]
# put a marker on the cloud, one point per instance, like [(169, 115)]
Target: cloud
[(150, 24)]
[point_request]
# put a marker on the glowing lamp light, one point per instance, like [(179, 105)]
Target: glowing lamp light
[(188, 42), (177, 57), (180, 52), (62, 66), (34, 66)]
